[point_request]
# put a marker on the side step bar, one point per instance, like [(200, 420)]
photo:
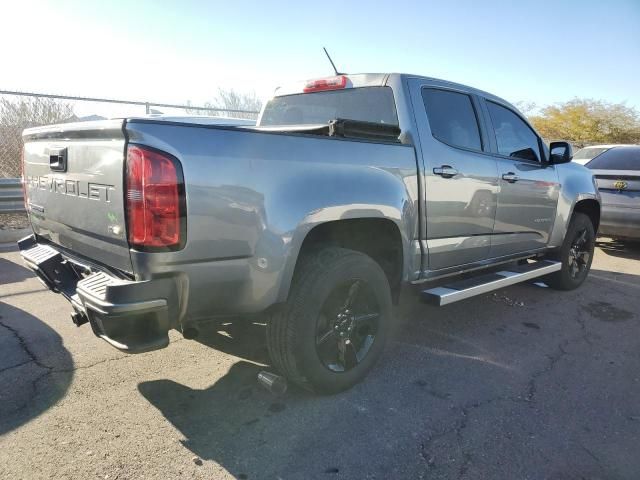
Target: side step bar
[(471, 287)]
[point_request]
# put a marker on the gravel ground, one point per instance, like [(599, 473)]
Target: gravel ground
[(526, 383), (13, 221)]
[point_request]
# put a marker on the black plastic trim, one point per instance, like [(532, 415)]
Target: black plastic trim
[(264, 131)]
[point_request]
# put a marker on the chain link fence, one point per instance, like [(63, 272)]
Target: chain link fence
[(10, 147), (20, 110)]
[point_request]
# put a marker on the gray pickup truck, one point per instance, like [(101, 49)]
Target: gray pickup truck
[(346, 189)]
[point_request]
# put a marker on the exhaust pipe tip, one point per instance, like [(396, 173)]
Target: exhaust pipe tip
[(273, 382), (79, 318)]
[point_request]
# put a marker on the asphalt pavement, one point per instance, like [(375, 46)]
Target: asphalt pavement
[(524, 383)]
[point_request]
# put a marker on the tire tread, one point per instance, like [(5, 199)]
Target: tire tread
[(559, 280), (281, 326)]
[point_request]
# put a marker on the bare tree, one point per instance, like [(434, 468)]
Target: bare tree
[(228, 100), (527, 108), (232, 100), (197, 111), (18, 114)]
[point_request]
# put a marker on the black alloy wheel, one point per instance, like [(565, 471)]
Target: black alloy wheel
[(347, 326)]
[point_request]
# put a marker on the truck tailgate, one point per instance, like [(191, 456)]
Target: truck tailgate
[(74, 188)]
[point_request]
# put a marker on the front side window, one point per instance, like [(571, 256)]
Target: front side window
[(452, 118), (514, 137)]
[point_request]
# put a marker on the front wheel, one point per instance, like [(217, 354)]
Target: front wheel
[(576, 254), (334, 325)]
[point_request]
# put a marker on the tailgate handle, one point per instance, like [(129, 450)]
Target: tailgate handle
[(58, 159)]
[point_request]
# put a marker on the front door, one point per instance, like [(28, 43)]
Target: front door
[(529, 187), (461, 182)]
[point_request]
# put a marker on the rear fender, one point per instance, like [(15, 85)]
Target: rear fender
[(392, 202)]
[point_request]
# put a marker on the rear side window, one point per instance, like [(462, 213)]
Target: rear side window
[(513, 136), (620, 158), (452, 118)]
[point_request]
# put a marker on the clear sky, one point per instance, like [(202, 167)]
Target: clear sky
[(169, 51)]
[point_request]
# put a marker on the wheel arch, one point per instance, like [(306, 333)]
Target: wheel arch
[(378, 237), (578, 192), (591, 208)]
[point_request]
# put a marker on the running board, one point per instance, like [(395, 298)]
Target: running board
[(488, 282)]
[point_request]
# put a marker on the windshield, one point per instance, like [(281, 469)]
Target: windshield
[(589, 153), (621, 158), (369, 104)]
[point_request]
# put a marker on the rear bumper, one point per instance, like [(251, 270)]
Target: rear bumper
[(620, 222), (131, 316)]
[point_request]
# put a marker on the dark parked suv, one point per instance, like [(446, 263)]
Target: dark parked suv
[(617, 172)]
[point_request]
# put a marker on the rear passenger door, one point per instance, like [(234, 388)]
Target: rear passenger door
[(460, 174), (529, 186)]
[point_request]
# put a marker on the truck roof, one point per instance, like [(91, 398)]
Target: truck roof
[(454, 85), (385, 79)]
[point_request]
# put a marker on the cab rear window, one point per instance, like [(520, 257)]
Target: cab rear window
[(368, 104)]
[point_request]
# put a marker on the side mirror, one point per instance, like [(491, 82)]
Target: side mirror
[(561, 152)]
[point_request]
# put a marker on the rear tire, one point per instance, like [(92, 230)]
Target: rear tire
[(335, 323), (576, 254)]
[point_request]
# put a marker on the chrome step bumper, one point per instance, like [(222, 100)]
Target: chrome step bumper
[(478, 285)]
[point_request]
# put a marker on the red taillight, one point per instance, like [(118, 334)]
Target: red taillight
[(322, 84), (155, 200)]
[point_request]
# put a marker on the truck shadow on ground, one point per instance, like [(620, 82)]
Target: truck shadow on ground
[(35, 367), (410, 414), (12, 273), (240, 337)]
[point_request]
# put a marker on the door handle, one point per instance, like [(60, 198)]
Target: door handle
[(445, 171), (510, 177)]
